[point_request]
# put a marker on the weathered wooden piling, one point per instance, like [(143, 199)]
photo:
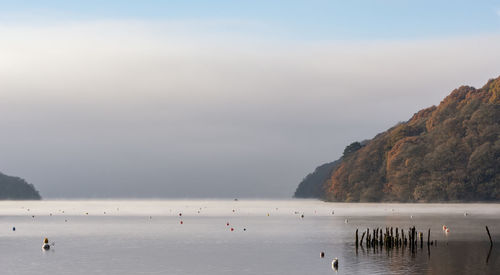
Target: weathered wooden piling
[(489, 235), (367, 237), (374, 239), (356, 238), (362, 237), (428, 237), (412, 238), (421, 235), (397, 237)]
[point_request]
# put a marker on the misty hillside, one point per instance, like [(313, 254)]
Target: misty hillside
[(14, 188), (312, 185), (446, 153)]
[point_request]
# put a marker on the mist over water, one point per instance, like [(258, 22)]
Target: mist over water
[(268, 237)]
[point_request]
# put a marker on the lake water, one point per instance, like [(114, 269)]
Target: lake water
[(268, 237)]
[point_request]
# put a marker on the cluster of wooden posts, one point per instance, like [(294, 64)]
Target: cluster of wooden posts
[(394, 238)]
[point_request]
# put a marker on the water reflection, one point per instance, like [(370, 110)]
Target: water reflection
[(452, 258)]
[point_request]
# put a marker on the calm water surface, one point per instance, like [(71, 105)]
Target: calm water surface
[(269, 237)]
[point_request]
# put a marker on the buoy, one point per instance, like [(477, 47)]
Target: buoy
[(14, 228), (333, 212), (322, 254), (182, 222), (33, 217), (233, 210), (268, 214), (86, 213), (244, 229), (447, 230), (227, 224), (180, 214), (302, 216), (335, 264), (465, 214), (46, 245), (50, 214), (444, 227), (232, 229)]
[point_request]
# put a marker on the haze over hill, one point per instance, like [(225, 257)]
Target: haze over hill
[(446, 153)]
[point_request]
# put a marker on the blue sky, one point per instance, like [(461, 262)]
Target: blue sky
[(296, 20)]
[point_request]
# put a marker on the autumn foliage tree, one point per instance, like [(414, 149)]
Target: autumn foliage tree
[(446, 153)]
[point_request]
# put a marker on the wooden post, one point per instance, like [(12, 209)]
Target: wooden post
[(488, 231), (429, 237), (421, 235), (397, 237), (367, 237), (356, 238), (362, 237)]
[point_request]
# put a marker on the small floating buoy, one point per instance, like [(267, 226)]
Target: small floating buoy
[(302, 216), (33, 217), (268, 214), (335, 264), (465, 214), (232, 229), (182, 222), (333, 212), (14, 228), (50, 214), (233, 210), (227, 224), (322, 254), (46, 245), (86, 213), (180, 214), (244, 229), (444, 227), (447, 230)]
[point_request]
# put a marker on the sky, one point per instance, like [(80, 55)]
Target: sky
[(220, 99)]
